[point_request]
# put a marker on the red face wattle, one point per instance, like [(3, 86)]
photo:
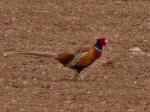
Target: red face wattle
[(103, 41)]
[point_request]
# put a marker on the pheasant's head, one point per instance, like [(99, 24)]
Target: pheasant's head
[(100, 43), (103, 41)]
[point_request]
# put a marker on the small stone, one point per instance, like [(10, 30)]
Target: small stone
[(43, 72), (131, 56), (60, 66), (103, 28), (148, 54), (13, 100), (105, 77), (7, 87), (29, 31), (89, 92), (68, 102), (131, 110), (45, 109), (103, 102), (116, 35), (146, 25), (35, 79), (21, 109), (135, 49), (22, 69), (5, 54), (24, 82), (145, 40), (6, 35), (59, 43), (72, 42), (41, 66), (13, 19)]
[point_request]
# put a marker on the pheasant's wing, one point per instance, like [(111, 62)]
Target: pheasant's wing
[(83, 59), (78, 60)]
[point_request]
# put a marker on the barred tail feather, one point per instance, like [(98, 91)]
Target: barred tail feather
[(32, 53)]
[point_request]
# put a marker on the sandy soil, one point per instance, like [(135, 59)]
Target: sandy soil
[(118, 82)]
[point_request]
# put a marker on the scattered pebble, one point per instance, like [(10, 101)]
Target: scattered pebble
[(148, 54), (21, 109), (146, 25), (6, 35), (45, 109), (13, 19), (61, 110), (60, 66), (41, 66), (103, 102), (131, 110), (1, 80), (24, 82), (116, 35), (103, 28), (145, 40), (72, 41), (68, 101), (7, 87), (43, 72), (89, 92), (57, 93), (29, 31), (135, 49), (138, 51), (22, 69), (13, 100), (131, 56), (35, 79), (59, 43), (105, 77)]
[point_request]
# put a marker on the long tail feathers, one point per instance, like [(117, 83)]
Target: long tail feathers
[(32, 53)]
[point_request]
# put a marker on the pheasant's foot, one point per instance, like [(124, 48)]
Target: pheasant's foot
[(76, 75), (81, 77)]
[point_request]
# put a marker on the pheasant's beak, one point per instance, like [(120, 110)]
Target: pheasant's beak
[(106, 41)]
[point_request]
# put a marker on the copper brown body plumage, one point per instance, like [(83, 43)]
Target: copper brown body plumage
[(83, 58), (79, 61), (76, 61)]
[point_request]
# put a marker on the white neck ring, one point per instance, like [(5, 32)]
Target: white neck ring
[(98, 49)]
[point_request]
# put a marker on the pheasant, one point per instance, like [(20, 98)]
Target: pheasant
[(76, 61)]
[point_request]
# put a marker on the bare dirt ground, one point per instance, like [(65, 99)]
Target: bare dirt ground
[(117, 82)]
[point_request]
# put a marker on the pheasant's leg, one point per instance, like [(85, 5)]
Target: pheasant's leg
[(81, 76), (76, 75)]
